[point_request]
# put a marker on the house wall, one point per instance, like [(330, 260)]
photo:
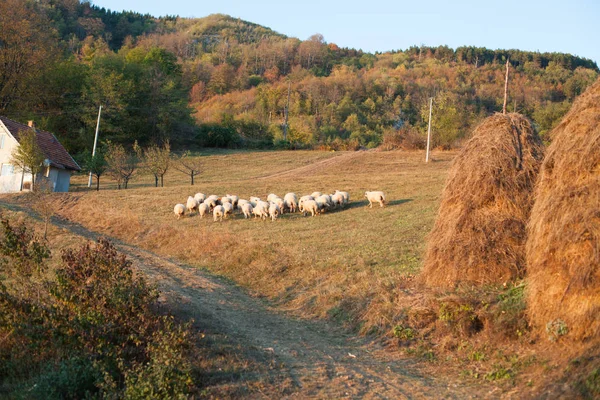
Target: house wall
[(10, 180)]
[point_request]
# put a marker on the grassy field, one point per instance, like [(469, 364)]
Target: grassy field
[(346, 263), (354, 266)]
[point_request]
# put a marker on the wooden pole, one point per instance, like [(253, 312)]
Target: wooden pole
[(505, 88), (429, 130), (287, 107), (95, 143)]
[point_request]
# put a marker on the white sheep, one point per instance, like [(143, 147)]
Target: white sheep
[(234, 199), (274, 211), (228, 209), (200, 197), (322, 203), (375, 196), (213, 197), (211, 203), (337, 199), (241, 202), (218, 213), (254, 200), (302, 200), (192, 204), (280, 203), (203, 209), (261, 210), (271, 197), (345, 195), (224, 200), (179, 210), (310, 206), (247, 209), (316, 194), (290, 202)]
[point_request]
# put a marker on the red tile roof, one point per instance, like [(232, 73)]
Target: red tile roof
[(54, 151)]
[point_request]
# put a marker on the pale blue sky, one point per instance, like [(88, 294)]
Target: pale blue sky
[(569, 26)]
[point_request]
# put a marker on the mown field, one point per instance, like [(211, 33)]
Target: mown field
[(345, 264)]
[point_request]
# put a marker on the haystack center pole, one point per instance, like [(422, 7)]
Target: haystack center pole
[(505, 89), (429, 129), (95, 143)]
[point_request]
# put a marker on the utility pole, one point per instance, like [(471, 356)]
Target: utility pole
[(505, 88), (286, 111), (95, 142), (429, 130)]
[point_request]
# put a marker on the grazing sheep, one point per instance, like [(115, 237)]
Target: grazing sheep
[(280, 203), (234, 199), (337, 200), (316, 194), (203, 209), (274, 211), (271, 197), (310, 206), (261, 210), (212, 203), (192, 204), (322, 203), (254, 200), (218, 213), (302, 200), (200, 197), (375, 196), (290, 202), (225, 200), (228, 209), (345, 195), (247, 209), (241, 202), (179, 210)]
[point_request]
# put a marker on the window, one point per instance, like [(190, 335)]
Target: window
[(6, 170), (2, 141)]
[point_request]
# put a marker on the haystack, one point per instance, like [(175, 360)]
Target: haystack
[(479, 234), (563, 249)]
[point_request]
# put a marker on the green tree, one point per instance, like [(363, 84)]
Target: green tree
[(96, 165), (28, 156)]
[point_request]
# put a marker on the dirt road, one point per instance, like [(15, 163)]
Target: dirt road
[(304, 359)]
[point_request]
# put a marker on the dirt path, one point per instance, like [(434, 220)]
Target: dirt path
[(312, 359)]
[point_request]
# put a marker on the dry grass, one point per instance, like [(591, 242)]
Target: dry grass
[(479, 234), (349, 264), (563, 249)]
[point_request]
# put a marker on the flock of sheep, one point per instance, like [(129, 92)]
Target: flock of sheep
[(315, 203)]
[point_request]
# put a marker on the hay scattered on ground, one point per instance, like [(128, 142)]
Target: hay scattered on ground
[(479, 233), (563, 249)]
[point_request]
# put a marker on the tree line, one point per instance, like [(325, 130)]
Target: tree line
[(223, 82)]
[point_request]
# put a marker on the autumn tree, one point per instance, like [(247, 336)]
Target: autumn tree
[(122, 164), (28, 156), (157, 161), (188, 165)]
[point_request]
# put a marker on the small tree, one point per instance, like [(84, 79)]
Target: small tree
[(121, 164), (28, 156), (41, 202), (188, 165), (157, 160), (96, 164)]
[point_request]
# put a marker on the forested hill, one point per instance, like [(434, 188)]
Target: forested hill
[(220, 81)]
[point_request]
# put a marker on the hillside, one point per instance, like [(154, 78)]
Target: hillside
[(223, 82)]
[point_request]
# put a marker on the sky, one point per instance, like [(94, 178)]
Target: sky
[(568, 26)]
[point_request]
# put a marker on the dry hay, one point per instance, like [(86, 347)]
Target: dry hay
[(563, 249), (479, 234)]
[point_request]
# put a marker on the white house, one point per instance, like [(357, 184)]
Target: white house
[(59, 165)]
